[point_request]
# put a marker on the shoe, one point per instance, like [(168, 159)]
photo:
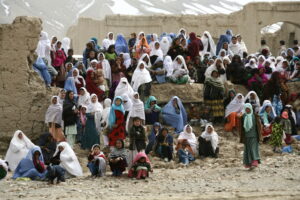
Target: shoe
[(166, 160)]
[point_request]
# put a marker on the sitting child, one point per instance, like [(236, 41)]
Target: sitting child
[(97, 161), (117, 158), (164, 145), (287, 127), (208, 143), (277, 135), (141, 167), (185, 153)]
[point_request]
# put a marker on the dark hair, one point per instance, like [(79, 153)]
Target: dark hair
[(277, 119), (295, 42), (121, 142), (136, 118), (133, 34), (282, 42), (164, 129), (263, 42)]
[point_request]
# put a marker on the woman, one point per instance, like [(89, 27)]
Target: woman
[(258, 80), (92, 87), (208, 142), (267, 115), (180, 71), (236, 70), (117, 158), (214, 94), (67, 159), (193, 47), (124, 88), (208, 44), (93, 123), (84, 97), (250, 136), (127, 104), (79, 80), (219, 67), (164, 45), (230, 96), (48, 146), (116, 121), (168, 67), (70, 85), (58, 62), (32, 166), (232, 111), (175, 49), (121, 45), (18, 149), (142, 48), (152, 110), (104, 120), (164, 145), (137, 110), (145, 58), (253, 99), (141, 80), (156, 51), (69, 116), (53, 119), (105, 66), (118, 70), (156, 128), (188, 135), (61, 96), (174, 114)]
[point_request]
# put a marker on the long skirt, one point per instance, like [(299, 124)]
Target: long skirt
[(90, 136), (232, 122), (251, 151), (120, 166), (216, 106), (206, 149), (71, 132)]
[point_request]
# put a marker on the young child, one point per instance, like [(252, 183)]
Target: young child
[(141, 167), (3, 168), (208, 142), (184, 153), (81, 124), (152, 137), (97, 161), (164, 145), (277, 135), (117, 159), (286, 123), (137, 139)]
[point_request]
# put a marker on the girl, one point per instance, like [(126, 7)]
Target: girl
[(180, 71), (117, 158), (152, 110), (286, 123), (174, 114), (79, 80), (97, 161), (164, 145), (234, 108), (93, 125), (185, 153), (124, 88), (250, 136), (152, 136), (32, 166), (267, 115), (18, 149), (277, 135), (116, 121), (84, 97), (208, 142), (69, 115), (53, 119), (253, 99), (62, 96), (137, 110), (188, 135), (141, 167), (105, 66)]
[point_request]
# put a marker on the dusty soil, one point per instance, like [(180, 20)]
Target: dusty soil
[(278, 177)]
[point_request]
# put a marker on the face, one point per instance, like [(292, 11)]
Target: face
[(54, 100), (174, 102), (96, 150), (94, 99), (231, 94), (69, 67), (218, 63), (234, 40), (164, 133), (239, 38), (71, 95), (142, 66), (152, 103), (179, 61), (209, 129), (248, 110), (142, 160), (223, 53), (118, 102), (36, 154), (146, 59), (54, 39), (62, 94), (188, 129), (101, 56), (80, 66), (137, 122), (252, 96), (215, 74), (94, 65), (240, 97), (119, 144), (136, 96), (156, 128), (156, 45), (141, 36), (268, 109), (225, 46), (75, 73), (92, 54), (177, 41), (111, 36), (82, 92), (60, 148), (20, 136), (58, 44), (83, 110)]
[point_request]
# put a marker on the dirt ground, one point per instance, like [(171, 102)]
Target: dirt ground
[(278, 177)]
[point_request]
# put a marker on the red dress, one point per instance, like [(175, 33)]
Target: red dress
[(119, 131), (79, 85), (91, 87)]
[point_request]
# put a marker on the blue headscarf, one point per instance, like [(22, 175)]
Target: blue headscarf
[(121, 45), (248, 121), (224, 38), (148, 38), (95, 41), (26, 163), (112, 114), (152, 136), (70, 85), (177, 121)]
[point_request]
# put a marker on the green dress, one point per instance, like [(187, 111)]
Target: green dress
[(251, 146), (91, 135)]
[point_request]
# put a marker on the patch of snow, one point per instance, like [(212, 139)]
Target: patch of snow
[(6, 7), (192, 9), (273, 28), (146, 2), (122, 7), (229, 7), (157, 10), (205, 9), (220, 9), (189, 12), (85, 8), (26, 3), (58, 23)]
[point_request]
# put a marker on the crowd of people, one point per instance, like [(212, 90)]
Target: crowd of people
[(106, 98)]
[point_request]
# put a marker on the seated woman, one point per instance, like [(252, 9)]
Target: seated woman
[(117, 158), (230, 96), (32, 166), (3, 169), (174, 114), (79, 80), (18, 149), (137, 110), (185, 153), (152, 110), (180, 73), (253, 99), (156, 128), (234, 108), (97, 161), (188, 135), (267, 115), (141, 80), (164, 145), (208, 143), (48, 146), (141, 167), (67, 159)]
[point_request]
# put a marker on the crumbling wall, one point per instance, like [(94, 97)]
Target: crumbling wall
[(23, 95)]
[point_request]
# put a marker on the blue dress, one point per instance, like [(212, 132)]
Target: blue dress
[(90, 136)]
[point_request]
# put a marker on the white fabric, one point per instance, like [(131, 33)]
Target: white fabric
[(54, 112), (236, 49), (185, 34), (236, 105), (65, 44), (243, 46), (148, 66), (107, 42), (105, 113), (140, 76), (105, 67), (3, 164), (205, 41), (127, 60), (190, 137), (97, 109), (157, 52), (17, 150), (168, 66), (124, 88), (152, 43), (84, 99), (179, 69), (69, 160), (76, 78), (44, 47), (164, 45), (252, 63), (212, 137), (213, 67), (128, 105), (247, 97), (137, 110)]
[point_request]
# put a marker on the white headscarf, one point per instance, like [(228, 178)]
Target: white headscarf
[(97, 109), (164, 45), (148, 66), (127, 60), (84, 99), (137, 110), (205, 41), (168, 65), (107, 42), (4, 165), (17, 150), (152, 43), (212, 137), (124, 88), (256, 99), (253, 65), (190, 137), (105, 67), (177, 66), (44, 46), (128, 105), (236, 105), (140, 76), (214, 67), (54, 112), (157, 52), (76, 78), (105, 113), (65, 44), (68, 159)]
